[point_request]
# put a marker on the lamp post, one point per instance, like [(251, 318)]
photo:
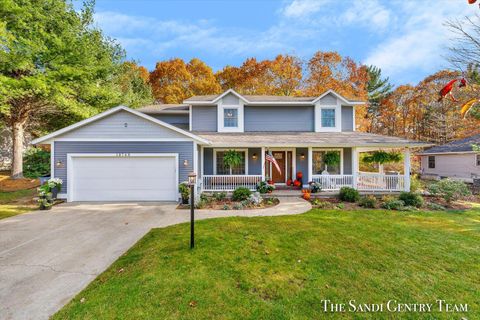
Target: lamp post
[(192, 179)]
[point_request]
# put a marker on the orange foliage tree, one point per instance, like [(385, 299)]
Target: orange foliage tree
[(173, 81)]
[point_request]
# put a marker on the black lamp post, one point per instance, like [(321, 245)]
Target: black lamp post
[(192, 179)]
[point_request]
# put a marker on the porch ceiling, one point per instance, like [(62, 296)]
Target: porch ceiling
[(306, 139)]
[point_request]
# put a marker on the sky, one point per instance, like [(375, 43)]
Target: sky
[(406, 39)]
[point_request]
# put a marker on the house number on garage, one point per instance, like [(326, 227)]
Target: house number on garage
[(123, 154)]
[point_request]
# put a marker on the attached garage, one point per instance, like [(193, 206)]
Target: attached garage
[(122, 155), (123, 177)]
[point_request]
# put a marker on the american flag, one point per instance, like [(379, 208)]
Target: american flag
[(272, 159)]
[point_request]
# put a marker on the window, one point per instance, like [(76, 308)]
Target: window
[(431, 162), (478, 160), (223, 169), (230, 118), (328, 118), (319, 164)]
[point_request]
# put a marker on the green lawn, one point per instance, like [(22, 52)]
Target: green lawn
[(282, 267), (16, 202)]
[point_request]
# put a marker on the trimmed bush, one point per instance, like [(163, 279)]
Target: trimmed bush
[(368, 202), (263, 187), (393, 204), (241, 193), (349, 194), (36, 163), (315, 187), (219, 196), (184, 192), (449, 189), (411, 199)]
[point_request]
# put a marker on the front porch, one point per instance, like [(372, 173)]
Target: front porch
[(308, 160)]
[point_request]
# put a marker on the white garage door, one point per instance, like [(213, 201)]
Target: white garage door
[(131, 178)]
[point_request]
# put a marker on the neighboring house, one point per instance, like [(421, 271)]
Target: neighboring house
[(142, 155), (452, 160)]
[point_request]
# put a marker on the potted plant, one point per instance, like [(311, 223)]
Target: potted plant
[(232, 158), (55, 185), (45, 197), (331, 158), (184, 192), (381, 157)]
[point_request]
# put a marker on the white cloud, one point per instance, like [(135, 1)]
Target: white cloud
[(302, 8), (369, 13), (420, 41)]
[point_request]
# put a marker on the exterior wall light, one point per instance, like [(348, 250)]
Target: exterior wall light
[(302, 156), (185, 163), (59, 164), (254, 156)]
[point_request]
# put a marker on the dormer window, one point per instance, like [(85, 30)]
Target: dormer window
[(230, 118), (328, 118)]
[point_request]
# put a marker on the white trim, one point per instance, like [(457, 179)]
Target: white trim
[(112, 111), (202, 161), (190, 117), (238, 95), (406, 169), (445, 153), (310, 164), (62, 196), (52, 159), (307, 144), (226, 149), (221, 121), (195, 159), (263, 162), (326, 150), (354, 120), (355, 167), (70, 176), (124, 139), (477, 160), (293, 150), (346, 101), (318, 117)]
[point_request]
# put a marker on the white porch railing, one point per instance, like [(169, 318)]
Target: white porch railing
[(229, 183), (331, 182), (365, 182), (380, 182)]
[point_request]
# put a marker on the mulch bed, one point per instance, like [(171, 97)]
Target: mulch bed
[(220, 205), (10, 185)]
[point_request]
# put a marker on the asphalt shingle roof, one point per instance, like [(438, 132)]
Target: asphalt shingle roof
[(162, 108), (323, 139), (463, 145)]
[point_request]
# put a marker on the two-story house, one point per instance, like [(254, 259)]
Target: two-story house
[(142, 155)]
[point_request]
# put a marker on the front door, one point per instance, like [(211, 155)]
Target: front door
[(279, 177)]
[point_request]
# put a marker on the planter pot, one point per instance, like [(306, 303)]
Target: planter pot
[(56, 191)]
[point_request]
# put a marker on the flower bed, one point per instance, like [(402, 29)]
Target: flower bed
[(220, 201)]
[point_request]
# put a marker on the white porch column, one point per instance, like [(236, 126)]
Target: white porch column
[(262, 159), (310, 165), (406, 168), (355, 167)]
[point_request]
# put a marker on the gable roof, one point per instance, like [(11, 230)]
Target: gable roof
[(111, 111), (458, 146), (267, 99), (165, 109)]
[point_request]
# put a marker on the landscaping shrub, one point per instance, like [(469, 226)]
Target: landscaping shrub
[(322, 204), (238, 206), (315, 187), (411, 199), (36, 163), (349, 194), (449, 189), (241, 193), (219, 196), (225, 207), (368, 202), (184, 192), (416, 184), (264, 187), (255, 198), (435, 206), (391, 203)]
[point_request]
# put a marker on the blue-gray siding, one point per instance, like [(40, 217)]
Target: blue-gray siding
[(302, 164), (347, 160), (230, 99), (204, 118), (254, 165), (178, 120), (183, 148), (279, 118), (347, 118), (329, 100)]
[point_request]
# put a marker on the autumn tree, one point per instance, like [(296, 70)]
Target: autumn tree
[(280, 76), (53, 62), (173, 81)]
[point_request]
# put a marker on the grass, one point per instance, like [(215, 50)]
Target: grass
[(282, 267), (16, 202)]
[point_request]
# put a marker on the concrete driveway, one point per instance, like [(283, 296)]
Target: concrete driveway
[(47, 257)]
